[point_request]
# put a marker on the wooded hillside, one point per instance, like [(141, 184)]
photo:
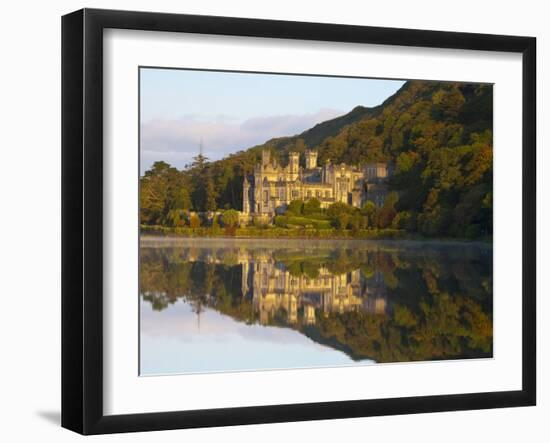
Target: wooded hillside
[(438, 135)]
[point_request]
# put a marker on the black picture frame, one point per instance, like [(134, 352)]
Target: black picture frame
[(82, 218)]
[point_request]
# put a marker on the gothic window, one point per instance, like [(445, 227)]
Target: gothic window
[(295, 194), (318, 194), (309, 194)]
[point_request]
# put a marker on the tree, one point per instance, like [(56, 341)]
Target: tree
[(368, 210), (386, 216), (295, 207), (355, 222), (194, 221), (438, 135), (402, 220), (175, 218), (340, 214), (447, 103), (215, 223), (342, 220), (230, 218), (210, 192), (339, 208), (391, 199), (152, 200), (200, 182), (312, 206), (156, 187)]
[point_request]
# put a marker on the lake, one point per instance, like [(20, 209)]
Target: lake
[(214, 304)]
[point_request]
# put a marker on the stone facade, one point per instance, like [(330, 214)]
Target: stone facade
[(272, 186), (273, 288)]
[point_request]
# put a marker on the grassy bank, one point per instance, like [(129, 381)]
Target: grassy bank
[(276, 232), (311, 233)]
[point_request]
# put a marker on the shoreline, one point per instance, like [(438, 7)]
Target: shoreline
[(170, 237)]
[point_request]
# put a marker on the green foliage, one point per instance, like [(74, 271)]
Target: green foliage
[(290, 221), (391, 199), (162, 189), (216, 224), (259, 222), (312, 206), (403, 316), (404, 220), (194, 221), (341, 220), (437, 304), (230, 218), (339, 208), (295, 207), (368, 211), (438, 135), (176, 218)]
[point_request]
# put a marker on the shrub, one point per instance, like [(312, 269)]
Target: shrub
[(175, 218), (401, 220), (341, 220), (230, 218), (355, 223), (194, 221), (258, 222), (295, 207), (312, 206), (215, 223), (280, 221)]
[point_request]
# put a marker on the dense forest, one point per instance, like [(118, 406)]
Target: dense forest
[(437, 134)]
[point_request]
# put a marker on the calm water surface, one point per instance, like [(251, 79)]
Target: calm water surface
[(210, 305)]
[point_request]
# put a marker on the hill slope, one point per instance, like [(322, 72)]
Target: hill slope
[(438, 135)]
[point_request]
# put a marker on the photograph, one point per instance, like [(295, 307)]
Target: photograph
[(293, 221)]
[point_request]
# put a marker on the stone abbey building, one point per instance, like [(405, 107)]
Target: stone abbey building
[(272, 186)]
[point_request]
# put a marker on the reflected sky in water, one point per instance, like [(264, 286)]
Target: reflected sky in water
[(179, 341), (211, 305)]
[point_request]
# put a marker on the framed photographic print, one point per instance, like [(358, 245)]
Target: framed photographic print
[(269, 221)]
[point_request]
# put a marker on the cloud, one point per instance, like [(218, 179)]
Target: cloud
[(177, 141)]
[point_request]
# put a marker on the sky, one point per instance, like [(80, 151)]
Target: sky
[(172, 341), (232, 111)]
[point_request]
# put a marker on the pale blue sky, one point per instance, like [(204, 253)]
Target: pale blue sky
[(234, 111), (172, 342)]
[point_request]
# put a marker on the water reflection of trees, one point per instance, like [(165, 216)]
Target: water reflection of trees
[(383, 303)]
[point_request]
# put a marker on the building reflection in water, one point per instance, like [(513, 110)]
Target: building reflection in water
[(272, 289), (384, 303)]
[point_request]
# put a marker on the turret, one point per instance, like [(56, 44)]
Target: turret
[(293, 162), (311, 159), (265, 157), (246, 195)]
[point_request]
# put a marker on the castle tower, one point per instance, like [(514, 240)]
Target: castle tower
[(246, 196), (244, 279), (311, 159), (293, 162), (266, 157)]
